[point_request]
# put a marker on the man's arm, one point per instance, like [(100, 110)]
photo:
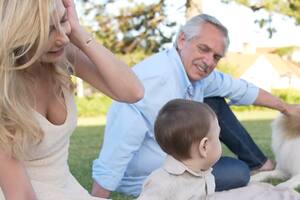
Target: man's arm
[(124, 134), (241, 92), (268, 100), (99, 191)]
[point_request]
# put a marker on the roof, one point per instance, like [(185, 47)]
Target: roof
[(243, 61), (263, 50), (274, 49)]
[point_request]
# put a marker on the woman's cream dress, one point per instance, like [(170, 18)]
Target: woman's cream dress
[(47, 164)]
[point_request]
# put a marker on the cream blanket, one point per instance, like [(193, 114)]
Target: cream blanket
[(257, 191)]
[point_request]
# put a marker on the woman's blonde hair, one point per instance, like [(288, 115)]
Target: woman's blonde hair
[(24, 32)]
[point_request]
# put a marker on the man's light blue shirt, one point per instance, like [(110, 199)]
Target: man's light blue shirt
[(129, 152)]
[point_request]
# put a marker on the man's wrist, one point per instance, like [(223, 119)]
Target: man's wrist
[(99, 191), (282, 107)]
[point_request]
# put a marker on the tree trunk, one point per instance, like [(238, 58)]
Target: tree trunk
[(79, 87)]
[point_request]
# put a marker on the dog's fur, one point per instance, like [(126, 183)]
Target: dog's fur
[(286, 148)]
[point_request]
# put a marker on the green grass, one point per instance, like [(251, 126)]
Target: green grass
[(87, 139)]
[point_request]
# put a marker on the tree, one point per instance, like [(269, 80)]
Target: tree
[(133, 33), (136, 27), (290, 8)]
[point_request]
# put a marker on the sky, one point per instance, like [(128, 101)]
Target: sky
[(240, 22)]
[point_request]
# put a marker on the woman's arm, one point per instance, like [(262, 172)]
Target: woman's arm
[(14, 181), (98, 66)]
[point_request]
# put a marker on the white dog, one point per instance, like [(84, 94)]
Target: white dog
[(286, 148)]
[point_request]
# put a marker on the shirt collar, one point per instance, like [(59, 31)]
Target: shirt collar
[(173, 166), (178, 66)]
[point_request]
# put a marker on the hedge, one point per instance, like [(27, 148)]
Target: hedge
[(98, 104), (91, 106)]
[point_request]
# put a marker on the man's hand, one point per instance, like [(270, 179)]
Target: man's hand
[(99, 191), (291, 110)]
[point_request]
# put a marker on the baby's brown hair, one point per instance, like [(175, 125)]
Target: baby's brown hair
[(180, 123)]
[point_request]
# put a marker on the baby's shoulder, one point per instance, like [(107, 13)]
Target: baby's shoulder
[(161, 178)]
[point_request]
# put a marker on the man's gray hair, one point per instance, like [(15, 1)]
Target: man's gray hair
[(193, 27)]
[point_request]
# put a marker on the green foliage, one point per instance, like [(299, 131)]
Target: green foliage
[(228, 69), (246, 108), (98, 104), (94, 105), (288, 95), (137, 27), (284, 51)]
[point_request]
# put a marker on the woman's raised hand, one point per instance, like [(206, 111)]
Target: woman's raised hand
[(76, 28)]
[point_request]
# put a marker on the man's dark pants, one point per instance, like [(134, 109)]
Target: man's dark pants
[(230, 172)]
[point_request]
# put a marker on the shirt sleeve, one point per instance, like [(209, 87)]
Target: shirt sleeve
[(124, 133), (239, 91)]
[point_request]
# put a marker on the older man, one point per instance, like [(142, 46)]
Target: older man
[(130, 153)]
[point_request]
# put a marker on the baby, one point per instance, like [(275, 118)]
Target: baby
[(188, 131)]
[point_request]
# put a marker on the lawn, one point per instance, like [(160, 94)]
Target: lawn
[(87, 139)]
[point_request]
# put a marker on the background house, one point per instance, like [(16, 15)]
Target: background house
[(291, 53), (266, 70)]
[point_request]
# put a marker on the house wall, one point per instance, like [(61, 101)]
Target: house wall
[(295, 56), (262, 74), (286, 82)]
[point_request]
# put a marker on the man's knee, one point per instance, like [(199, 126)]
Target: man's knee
[(218, 104), (231, 173), (241, 175)]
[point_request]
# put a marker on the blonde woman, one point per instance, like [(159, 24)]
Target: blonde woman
[(38, 38)]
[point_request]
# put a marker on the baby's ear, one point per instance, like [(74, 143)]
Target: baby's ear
[(203, 147)]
